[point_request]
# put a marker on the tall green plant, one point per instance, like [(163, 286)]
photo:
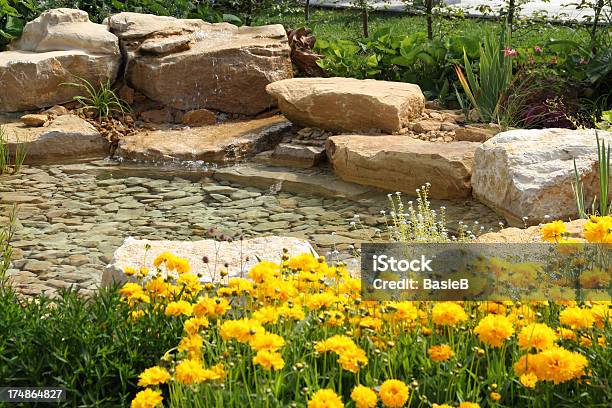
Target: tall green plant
[(599, 206), (102, 100), (6, 156), (487, 91), (6, 234)]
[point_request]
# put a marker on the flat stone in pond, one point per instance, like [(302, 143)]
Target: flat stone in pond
[(400, 163), (132, 254)]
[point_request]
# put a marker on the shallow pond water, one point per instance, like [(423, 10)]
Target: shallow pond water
[(71, 218)]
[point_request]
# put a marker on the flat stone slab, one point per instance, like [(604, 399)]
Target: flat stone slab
[(348, 104), (529, 173), (291, 155), (66, 137), (292, 180), (401, 163), (222, 143), (239, 255)]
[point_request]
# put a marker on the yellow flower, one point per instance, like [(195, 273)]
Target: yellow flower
[(552, 231), (495, 396), (364, 397), (467, 404), (193, 345), (536, 335), (440, 353), (267, 341), (529, 380), (325, 398), (441, 406), (393, 393), (210, 307), (130, 289), (267, 314), (157, 287), (192, 326), (304, 262), (129, 271), (181, 307), (448, 314), (576, 318), (559, 365), (264, 271), (598, 229), (494, 330), (190, 372), (153, 376), (147, 399), (269, 360), (242, 330)]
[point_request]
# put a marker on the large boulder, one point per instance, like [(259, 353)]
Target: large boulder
[(347, 104), (239, 256), (191, 64), (66, 30), (58, 47), (400, 163), (66, 137), (529, 173)]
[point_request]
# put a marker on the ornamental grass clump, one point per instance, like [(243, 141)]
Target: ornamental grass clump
[(297, 332)]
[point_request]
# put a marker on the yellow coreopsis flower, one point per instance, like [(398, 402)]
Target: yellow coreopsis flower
[(598, 229), (190, 372), (325, 398), (553, 231), (266, 341), (448, 314), (538, 336), (210, 307), (529, 380), (195, 324), (468, 404), (147, 399), (153, 376), (364, 397), (269, 360), (178, 308), (242, 330), (393, 393), (440, 353), (494, 330), (576, 318), (559, 365)]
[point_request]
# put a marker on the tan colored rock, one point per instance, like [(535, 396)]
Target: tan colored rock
[(475, 133), (67, 137), (164, 115), (226, 68), (199, 117), (34, 120), (66, 30), (400, 163), (57, 110), (240, 256), (531, 234), (347, 104), (222, 143), (297, 155), (428, 125), (529, 173), (35, 80)]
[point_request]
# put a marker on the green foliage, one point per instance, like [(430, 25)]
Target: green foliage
[(14, 14), (89, 346), (102, 101), (18, 156), (6, 251), (486, 91), (599, 206), (413, 58)]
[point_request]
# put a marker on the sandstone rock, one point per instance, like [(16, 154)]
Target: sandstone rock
[(221, 63), (199, 117), (34, 80), (68, 136), (57, 110), (475, 133), (66, 30), (429, 125), (531, 234), (240, 257), (297, 156), (219, 143), (399, 163), (347, 104), (164, 115), (529, 173), (34, 120)]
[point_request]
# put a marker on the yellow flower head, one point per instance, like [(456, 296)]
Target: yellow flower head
[(153, 376), (181, 307), (269, 360), (242, 330), (147, 399), (529, 380), (494, 330), (190, 372), (598, 229), (325, 398), (538, 336), (393, 393), (467, 404), (266, 341), (576, 318), (448, 314), (364, 397), (211, 307), (440, 353), (552, 231)]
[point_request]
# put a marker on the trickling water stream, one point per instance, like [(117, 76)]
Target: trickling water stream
[(73, 217)]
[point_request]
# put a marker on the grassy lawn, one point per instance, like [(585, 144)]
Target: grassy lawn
[(346, 24)]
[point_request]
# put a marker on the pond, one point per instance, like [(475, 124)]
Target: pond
[(72, 217)]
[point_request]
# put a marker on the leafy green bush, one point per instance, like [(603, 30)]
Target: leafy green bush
[(14, 14), (92, 347)]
